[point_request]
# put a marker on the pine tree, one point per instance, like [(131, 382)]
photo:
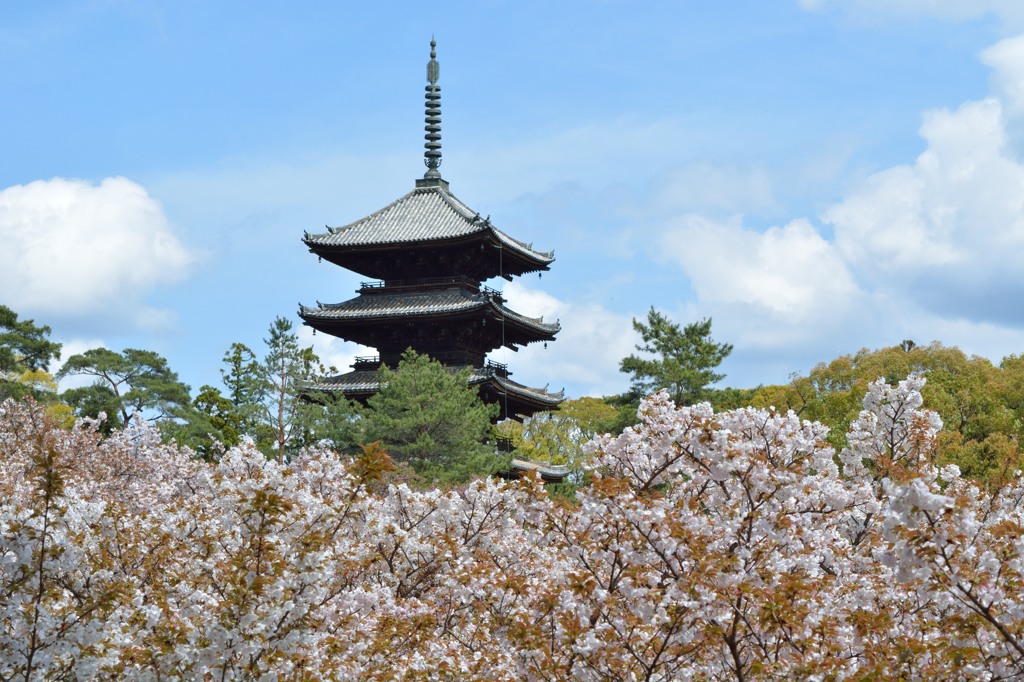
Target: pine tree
[(124, 383), (289, 367), (685, 359), (427, 415), (25, 350)]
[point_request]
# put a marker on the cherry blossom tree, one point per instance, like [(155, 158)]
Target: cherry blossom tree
[(720, 546)]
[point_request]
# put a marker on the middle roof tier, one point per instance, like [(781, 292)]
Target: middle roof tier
[(456, 318)]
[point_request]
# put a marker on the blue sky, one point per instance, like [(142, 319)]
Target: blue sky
[(816, 176)]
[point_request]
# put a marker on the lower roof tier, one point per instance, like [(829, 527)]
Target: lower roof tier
[(516, 401), (458, 317)]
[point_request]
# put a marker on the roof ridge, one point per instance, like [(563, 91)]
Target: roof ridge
[(460, 207)]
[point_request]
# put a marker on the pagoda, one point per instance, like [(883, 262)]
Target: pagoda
[(428, 255)]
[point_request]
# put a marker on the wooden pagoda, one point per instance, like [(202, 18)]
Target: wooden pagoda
[(428, 255)]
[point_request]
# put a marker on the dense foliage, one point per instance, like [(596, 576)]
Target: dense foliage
[(25, 354), (981, 404), (428, 416), (560, 436), (124, 383), (425, 414), (736, 545)]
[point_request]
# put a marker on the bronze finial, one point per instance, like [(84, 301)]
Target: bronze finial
[(432, 66), (432, 155)]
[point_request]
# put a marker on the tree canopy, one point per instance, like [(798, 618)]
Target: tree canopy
[(23, 345), (271, 400), (25, 353), (428, 416), (247, 384), (981, 404), (287, 368), (124, 383), (711, 546), (558, 436), (684, 362)]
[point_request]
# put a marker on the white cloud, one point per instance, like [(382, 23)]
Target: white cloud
[(1006, 58), (80, 250), (585, 354), (947, 231), (886, 227), (935, 240), (533, 302), (332, 351), (790, 272), (993, 341)]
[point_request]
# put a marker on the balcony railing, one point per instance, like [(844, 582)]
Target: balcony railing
[(424, 283), (366, 362), (420, 283), (451, 358)]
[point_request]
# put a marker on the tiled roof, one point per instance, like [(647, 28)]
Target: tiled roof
[(424, 214), (397, 304), (482, 376), (414, 303), (360, 381), (544, 469), (365, 381)]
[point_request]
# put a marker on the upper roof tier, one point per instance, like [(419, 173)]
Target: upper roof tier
[(427, 233)]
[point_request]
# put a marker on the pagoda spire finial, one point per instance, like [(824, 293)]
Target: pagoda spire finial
[(432, 153)]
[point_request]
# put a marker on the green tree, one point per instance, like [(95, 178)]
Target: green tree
[(270, 400), (333, 420), (558, 436), (222, 416), (248, 385), (125, 383), (288, 369), (1012, 371), (428, 416), (25, 350), (729, 398), (684, 360), (981, 405)]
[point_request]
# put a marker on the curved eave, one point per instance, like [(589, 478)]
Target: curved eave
[(502, 259), (552, 473), (539, 397), (545, 330), (365, 260), (542, 258), (378, 308), (361, 384), (426, 217), (403, 305)]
